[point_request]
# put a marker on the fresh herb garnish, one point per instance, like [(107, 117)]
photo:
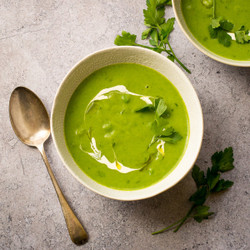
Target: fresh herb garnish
[(146, 108), (220, 27), (172, 139), (159, 107), (158, 31), (242, 36), (211, 183), (166, 134)]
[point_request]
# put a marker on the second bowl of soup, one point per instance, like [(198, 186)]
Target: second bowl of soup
[(218, 28)]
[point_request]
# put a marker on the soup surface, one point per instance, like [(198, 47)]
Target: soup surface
[(126, 126), (198, 18)]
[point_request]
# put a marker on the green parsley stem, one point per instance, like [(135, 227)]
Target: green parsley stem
[(213, 8), (171, 52), (147, 47), (185, 218), (143, 46), (180, 222), (182, 65), (167, 228)]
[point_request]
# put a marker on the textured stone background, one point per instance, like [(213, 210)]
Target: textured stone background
[(40, 41)]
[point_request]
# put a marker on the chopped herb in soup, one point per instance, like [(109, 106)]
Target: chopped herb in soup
[(222, 26)]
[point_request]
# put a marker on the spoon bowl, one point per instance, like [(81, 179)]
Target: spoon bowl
[(28, 117), (30, 121)]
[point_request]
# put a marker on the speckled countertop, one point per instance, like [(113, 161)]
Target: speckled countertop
[(39, 42)]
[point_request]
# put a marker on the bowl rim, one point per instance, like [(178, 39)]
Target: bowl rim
[(178, 71), (203, 49)]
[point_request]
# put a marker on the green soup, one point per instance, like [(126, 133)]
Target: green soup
[(115, 133), (198, 18)]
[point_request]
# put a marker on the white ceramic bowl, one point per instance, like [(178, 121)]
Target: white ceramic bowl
[(181, 21), (155, 61)]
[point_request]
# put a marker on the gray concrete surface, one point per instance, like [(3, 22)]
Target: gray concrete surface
[(40, 41)]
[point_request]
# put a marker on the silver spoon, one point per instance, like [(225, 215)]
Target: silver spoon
[(30, 122)]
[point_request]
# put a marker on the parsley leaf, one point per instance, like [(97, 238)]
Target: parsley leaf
[(226, 25), (169, 136), (213, 32), (145, 34), (223, 159), (215, 23), (153, 16), (161, 108), (198, 176), (222, 185), (161, 3), (242, 36), (199, 197), (167, 132), (224, 38), (212, 178), (172, 139), (211, 183), (167, 27), (154, 36), (201, 213), (125, 39)]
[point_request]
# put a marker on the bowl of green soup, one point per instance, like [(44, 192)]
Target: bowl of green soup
[(127, 123), (218, 28)]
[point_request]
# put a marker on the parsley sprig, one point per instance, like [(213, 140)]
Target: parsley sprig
[(162, 131), (219, 28), (158, 31), (211, 183)]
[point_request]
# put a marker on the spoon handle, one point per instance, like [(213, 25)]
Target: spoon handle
[(76, 231)]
